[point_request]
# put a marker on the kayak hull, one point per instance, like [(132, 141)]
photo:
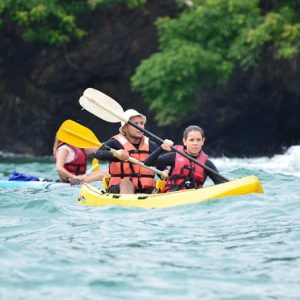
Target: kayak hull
[(91, 196), (31, 184)]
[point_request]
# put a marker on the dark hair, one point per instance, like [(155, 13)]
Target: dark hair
[(192, 128)]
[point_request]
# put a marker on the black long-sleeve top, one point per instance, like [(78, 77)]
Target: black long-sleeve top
[(161, 161)]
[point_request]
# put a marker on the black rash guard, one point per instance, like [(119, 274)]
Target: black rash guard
[(105, 155), (162, 161)]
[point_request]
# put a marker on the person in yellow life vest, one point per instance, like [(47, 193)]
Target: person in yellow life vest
[(126, 177), (183, 173), (71, 164)]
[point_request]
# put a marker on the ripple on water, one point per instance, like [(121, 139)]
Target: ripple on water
[(235, 248)]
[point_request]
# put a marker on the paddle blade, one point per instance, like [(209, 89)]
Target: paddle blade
[(77, 135), (102, 106), (95, 165)]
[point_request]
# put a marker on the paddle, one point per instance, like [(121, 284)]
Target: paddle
[(95, 166), (80, 136), (109, 110)]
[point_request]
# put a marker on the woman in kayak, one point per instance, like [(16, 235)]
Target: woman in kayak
[(185, 174), (71, 164)]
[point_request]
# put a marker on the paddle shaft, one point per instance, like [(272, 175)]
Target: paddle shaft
[(133, 160), (89, 171), (158, 139)]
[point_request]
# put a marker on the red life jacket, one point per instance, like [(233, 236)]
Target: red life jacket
[(185, 173), (140, 177), (78, 165)]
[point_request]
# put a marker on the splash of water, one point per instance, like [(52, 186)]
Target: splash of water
[(287, 163)]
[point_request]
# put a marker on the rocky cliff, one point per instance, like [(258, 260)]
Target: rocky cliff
[(256, 113)]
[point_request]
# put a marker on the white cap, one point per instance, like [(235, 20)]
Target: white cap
[(129, 113)]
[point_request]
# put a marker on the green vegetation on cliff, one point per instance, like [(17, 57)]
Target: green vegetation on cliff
[(204, 45), (229, 66), (54, 22)]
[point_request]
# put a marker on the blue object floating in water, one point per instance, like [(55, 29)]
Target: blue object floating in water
[(16, 176)]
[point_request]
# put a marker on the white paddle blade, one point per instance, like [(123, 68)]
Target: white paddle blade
[(102, 106), (94, 109)]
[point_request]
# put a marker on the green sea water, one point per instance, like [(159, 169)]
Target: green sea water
[(245, 247)]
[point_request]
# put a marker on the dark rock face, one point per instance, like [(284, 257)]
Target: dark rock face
[(41, 86), (256, 113)]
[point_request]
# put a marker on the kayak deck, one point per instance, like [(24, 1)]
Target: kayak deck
[(31, 184), (91, 196)]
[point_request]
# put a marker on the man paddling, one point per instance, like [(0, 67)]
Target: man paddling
[(128, 178)]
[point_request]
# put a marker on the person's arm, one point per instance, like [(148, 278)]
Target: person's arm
[(97, 176), (157, 151), (64, 174), (161, 161), (166, 160), (152, 146), (61, 156), (216, 179), (152, 158), (90, 152), (104, 155)]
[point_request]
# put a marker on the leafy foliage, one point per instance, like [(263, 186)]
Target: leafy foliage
[(53, 22), (204, 45)]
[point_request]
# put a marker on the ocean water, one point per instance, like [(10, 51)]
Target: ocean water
[(245, 247)]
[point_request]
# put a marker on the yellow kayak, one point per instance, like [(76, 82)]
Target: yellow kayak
[(91, 196)]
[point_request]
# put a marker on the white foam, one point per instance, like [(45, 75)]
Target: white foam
[(287, 163)]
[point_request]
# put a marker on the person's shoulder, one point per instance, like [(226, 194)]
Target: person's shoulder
[(210, 164), (153, 144), (113, 143), (64, 150), (69, 148), (110, 140)]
